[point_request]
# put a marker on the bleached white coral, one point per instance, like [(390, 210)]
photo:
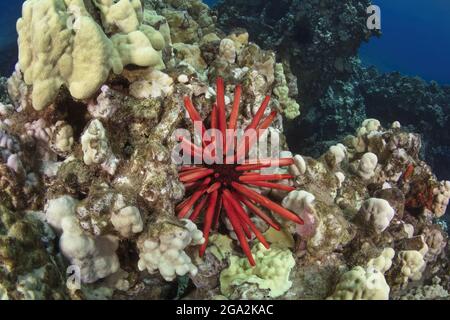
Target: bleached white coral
[(408, 229), (38, 130), (58, 209), (341, 178), (96, 257), (441, 199), (182, 78), (7, 142), (339, 153), (154, 85), (361, 284), (165, 253), (126, 219), (96, 148), (15, 163), (396, 125), (227, 50), (301, 202), (95, 143), (62, 137), (435, 291), (367, 165), (370, 130), (105, 106), (211, 93), (377, 213), (3, 293), (10, 152), (299, 166)]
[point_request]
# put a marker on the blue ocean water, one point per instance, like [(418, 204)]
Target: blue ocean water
[(9, 13), (415, 40), (210, 2)]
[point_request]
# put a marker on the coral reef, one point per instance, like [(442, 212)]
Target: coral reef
[(361, 284), (363, 237), (316, 39), (318, 42), (73, 44), (31, 269), (89, 188), (96, 163), (418, 105)]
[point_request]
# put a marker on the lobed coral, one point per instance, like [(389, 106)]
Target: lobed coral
[(163, 250), (102, 173), (74, 38), (361, 284), (271, 274)]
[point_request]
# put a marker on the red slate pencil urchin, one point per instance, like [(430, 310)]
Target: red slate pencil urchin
[(217, 186)]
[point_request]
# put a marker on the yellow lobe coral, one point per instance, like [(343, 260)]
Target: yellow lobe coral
[(125, 15), (51, 55), (272, 271), (60, 43)]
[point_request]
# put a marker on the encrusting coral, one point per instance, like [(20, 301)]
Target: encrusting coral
[(90, 191)]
